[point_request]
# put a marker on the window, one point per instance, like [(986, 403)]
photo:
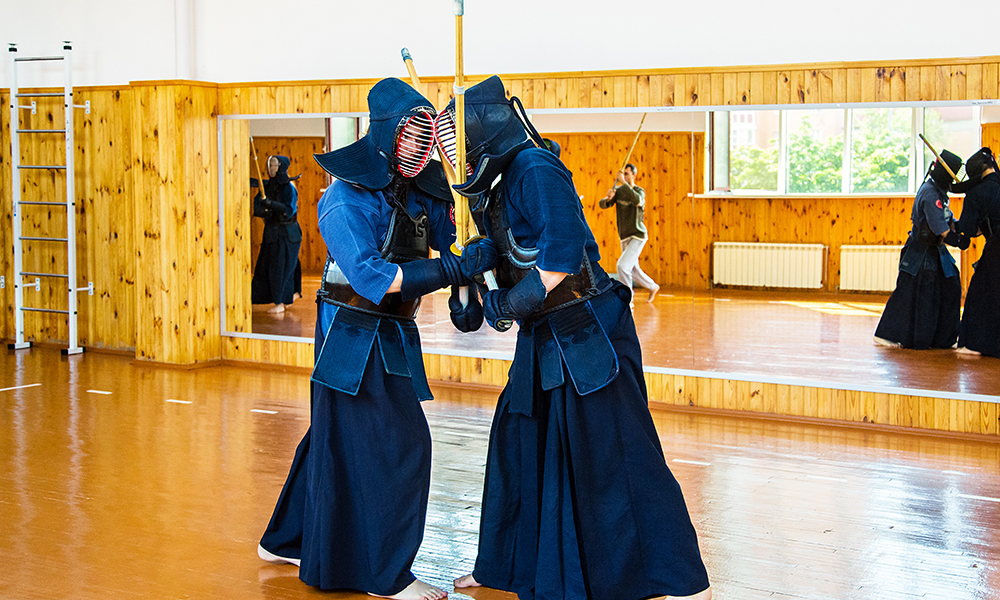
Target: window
[(815, 151), (880, 149), (955, 128), (830, 151), (753, 150)]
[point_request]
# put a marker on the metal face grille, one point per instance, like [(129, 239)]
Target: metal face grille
[(415, 144), (445, 134)]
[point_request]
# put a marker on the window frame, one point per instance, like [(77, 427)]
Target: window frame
[(917, 164)]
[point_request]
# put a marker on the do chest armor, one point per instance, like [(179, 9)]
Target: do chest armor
[(405, 240), (517, 261)]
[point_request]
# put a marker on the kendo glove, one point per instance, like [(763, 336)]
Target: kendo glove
[(424, 276), (469, 317), (517, 302), (478, 256)]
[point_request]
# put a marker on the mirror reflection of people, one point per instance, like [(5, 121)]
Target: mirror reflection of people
[(979, 332), (629, 201), (923, 311), (274, 274), (578, 501), (352, 511)]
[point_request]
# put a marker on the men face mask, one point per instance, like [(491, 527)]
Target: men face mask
[(414, 143)]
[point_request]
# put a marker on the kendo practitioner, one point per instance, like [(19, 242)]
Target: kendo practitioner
[(629, 201), (979, 331), (274, 275), (923, 311), (578, 502), (354, 505)]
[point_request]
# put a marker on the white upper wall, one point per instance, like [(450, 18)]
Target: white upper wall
[(117, 41), (114, 41)]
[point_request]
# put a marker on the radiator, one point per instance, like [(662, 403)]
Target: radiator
[(769, 265), (869, 268), (874, 268)]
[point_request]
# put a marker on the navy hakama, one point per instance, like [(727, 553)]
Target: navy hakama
[(354, 504), (980, 328), (578, 499), (274, 274), (923, 311)]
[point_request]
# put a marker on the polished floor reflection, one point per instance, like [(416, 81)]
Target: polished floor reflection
[(297, 320), (133, 481)]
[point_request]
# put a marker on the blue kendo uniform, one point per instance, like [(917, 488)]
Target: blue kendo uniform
[(274, 273), (980, 327), (578, 501), (354, 505), (923, 311), (361, 529)]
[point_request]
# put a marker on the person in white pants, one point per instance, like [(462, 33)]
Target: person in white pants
[(630, 201)]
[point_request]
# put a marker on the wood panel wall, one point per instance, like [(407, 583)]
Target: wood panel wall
[(670, 167), (310, 186), (104, 211), (820, 83), (237, 224), (833, 222), (176, 222)]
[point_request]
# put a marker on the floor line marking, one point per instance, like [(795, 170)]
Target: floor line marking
[(262, 411), (971, 497), (692, 462), (178, 401), (99, 392), (20, 387), (826, 478)]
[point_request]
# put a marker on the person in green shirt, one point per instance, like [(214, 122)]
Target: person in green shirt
[(630, 202)]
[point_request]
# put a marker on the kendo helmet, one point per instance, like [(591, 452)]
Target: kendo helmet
[(494, 134), (939, 174), (980, 161), (400, 139)]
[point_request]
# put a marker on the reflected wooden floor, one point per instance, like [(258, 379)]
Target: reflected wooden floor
[(813, 337), (298, 319), (134, 481)]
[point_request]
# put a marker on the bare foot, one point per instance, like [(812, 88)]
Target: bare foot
[(884, 342), (652, 293), (964, 350), (466, 581), (278, 308), (274, 558), (296, 296), (418, 590)]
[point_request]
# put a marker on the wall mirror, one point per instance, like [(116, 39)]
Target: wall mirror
[(713, 176)]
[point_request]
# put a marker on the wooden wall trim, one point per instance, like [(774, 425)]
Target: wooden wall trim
[(173, 82), (475, 78)]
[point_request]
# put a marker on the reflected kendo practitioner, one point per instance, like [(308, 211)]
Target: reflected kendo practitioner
[(578, 501), (979, 331), (354, 504), (923, 311), (274, 275)]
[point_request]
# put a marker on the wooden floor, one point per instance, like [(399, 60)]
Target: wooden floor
[(123, 480), (808, 337)]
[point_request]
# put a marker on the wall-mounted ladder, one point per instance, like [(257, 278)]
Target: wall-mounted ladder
[(20, 275)]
